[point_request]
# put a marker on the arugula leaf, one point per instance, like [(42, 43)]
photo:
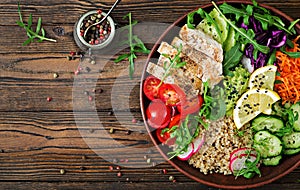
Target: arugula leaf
[(184, 134), (30, 33), (251, 168), (175, 63), (232, 58), (291, 54), (265, 18), (136, 45), (203, 14), (243, 34)]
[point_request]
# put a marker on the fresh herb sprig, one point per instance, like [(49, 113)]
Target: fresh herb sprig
[(203, 14), (251, 167), (263, 15), (136, 46), (245, 36), (39, 32), (184, 134), (213, 107), (173, 63)]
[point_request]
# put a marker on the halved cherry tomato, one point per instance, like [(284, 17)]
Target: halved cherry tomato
[(171, 94), (158, 114), (190, 106), (165, 137), (150, 87)]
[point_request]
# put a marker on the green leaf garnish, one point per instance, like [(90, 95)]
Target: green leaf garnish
[(136, 46), (30, 33), (247, 37)]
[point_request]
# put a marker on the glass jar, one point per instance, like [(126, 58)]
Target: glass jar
[(97, 41)]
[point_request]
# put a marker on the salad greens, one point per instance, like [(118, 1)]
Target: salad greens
[(39, 32), (251, 168), (245, 36), (232, 59), (175, 63), (136, 46), (259, 13), (184, 134)]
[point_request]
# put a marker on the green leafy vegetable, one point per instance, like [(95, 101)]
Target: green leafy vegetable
[(175, 63), (213, 106), (251, 168), (231, 59), (291, 54), (244, 36), (29, 30), (184, 134), (203, 14), (265, 17), (136, 46)]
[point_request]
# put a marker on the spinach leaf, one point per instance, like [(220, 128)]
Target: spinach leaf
[(232, 58)]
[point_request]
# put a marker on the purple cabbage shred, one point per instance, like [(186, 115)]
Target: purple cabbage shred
[(271, 38)]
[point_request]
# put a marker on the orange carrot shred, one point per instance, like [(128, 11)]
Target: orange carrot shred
[(288, 87)]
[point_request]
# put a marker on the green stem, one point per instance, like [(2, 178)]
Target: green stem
[(261, 18), (130, 33), (263, 49), (38, 36)]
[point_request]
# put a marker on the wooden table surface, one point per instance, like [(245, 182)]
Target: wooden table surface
[(56, 144)]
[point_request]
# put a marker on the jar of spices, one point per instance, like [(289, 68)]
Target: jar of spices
[(98, 36)]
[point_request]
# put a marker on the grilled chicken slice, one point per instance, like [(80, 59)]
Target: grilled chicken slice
[(207, 68), (176, 76), (202, 42), (191, 70)]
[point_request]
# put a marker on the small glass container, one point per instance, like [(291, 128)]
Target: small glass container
[(97, 42)]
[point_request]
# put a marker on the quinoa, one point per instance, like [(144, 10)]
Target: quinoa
[(215, 156)]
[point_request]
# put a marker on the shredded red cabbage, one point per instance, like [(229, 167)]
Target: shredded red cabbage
[(272, 38)]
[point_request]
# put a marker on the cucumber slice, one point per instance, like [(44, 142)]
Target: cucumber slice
[(273, 161), (291, 140), (291, 151), (211, 30), (296, 109), (266, 144), (271, 123)]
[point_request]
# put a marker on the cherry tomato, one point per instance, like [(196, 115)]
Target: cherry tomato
[(150, 87), (175, 121), (171, 94), (165, 137), (158, 114), (190, 106)]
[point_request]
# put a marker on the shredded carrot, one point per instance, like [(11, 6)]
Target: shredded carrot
[(288, 86)]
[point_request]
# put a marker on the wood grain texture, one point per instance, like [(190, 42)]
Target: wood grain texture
[(39, 138)]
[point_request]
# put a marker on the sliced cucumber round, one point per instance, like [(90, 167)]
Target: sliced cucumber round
[(266, 144), (291, 140), (270, 123), (273, 161)]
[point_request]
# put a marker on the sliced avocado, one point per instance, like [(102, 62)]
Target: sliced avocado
[(210, 28)]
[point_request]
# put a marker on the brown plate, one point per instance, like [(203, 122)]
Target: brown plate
[(269, 174)]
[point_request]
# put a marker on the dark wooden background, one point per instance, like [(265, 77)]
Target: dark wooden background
[(41, 145)]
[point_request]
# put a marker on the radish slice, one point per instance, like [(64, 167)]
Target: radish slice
[(238, 162), (198, 142), (187, 154), (241, 151)]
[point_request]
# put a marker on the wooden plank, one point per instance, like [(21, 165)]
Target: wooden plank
[(60, 11)]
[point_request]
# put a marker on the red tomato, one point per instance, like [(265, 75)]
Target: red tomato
[(174, 121), (171, 94), (150, 87), (190, 106), (165, 137), (158, 114)]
